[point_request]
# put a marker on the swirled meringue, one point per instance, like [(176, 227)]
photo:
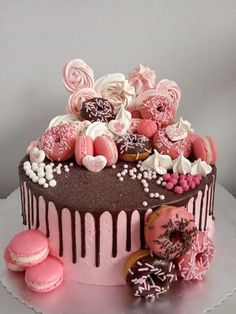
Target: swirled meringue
[(76, 99), (178, 131), (142, 78), (181, 165), (159, 163), (96, 129), (200, 167), (122, 122), (170, 87), (115, 88), (77, 74), (67, 118)]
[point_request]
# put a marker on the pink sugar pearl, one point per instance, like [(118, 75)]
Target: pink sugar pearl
[(192, 185), (189, 178), (166, 177), (169, 185), (174, 181), (174, 176), (182, 176), (178, 189), (197, 181), (183, 182), (186, 188)]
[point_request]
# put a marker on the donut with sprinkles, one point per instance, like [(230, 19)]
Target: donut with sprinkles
[(147, 275)]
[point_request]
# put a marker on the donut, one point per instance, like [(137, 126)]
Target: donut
[(195, 263), (58, 142), (133, 147), (163, 144), (83, 147), (97, 109), (104, 145), (134, 124), (169, 231), (147, 275), (206, 149)]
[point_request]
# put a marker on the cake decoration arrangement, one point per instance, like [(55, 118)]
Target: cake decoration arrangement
[(118, 190)]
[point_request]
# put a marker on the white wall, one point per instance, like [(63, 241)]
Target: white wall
[(192, 42)]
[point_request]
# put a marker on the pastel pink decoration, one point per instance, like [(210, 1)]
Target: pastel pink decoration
[(135, 114), (205, 148), (37, 155), (94, 164), (58, 142), (45, 276), (164, 145), (134, 124), (10, 263), (32, 145), (77, 75), (166, 177), (176, 133), (193, 137), (147, 128), (169, 185), (118, 127), (178, 189), (29, 248), (170, 87), (76, 100), (142, 78), (104, 145), (83, 147), (195, 263)]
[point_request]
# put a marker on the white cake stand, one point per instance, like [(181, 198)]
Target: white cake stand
[(183, 297)]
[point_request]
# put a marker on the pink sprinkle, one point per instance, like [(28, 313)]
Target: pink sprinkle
[(178, 189), (192, 185), (169, 185), (166, 177), (175, 175), (183, 182)]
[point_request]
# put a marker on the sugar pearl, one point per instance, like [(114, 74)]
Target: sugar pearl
[(146, 190), (45, 185), (151, 195), (26, 165), (51, 164), (67, 170), (121, 179), (58, 171), (143, 181), (113, 166), (35, 179), (134, 169), (71, 164), (125, 166), (41, 181), (162, 197), (133, 177), (42, 165), (145, 204), (123, 173), (163, 183), (59, 165), (138, 166), (118, 175), (145, 184), (52, 183), (49, 176), (41, 174), (158, 182), (35, 166), (156, 195), (28, 171), (161, 178)]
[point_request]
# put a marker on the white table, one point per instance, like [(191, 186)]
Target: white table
[(9, 305)]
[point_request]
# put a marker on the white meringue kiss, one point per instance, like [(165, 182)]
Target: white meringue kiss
[(37, 155), (96, 129), (181, 165), (200, 167), (159, 163), (177, 131), (122, 122), (94, 164)]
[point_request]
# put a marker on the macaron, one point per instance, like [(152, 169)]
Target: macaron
[(83, 147), (46, 276), (104, 145), (147, 128), (28, 248), (10, 263), (205, 148)]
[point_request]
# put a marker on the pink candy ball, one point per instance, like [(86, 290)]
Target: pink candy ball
[(147, 128), (169, 185), (166, 177), (178, 189), (174, 175), (192, 185), (183, 182), (174, 181)]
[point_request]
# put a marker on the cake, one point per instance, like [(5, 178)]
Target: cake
[(99, 177)]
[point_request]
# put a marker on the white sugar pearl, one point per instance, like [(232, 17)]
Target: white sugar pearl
[(35, 179), (59, 165), (118, 175), (131, 172), (48, 167), (139, 176), (41, 181), (143, 181), (134, 169), (28, 171), (123, 173), (140, 162), (156, 195), (146, 190), (133, 177), (52, 183), (141, 169), (51, 164), (35, 166), (49, 176), (158, 182), (26, 163), (32, 174), (125, 166), (113, 166), (145, 185), (145, 204), (45, 185), (41, 174), (58, 171), (71, 164), (67, 170), (164, 183), (151, 195), (161, 179), (154, 176), (121, 179), (162, 197), (42, 165)]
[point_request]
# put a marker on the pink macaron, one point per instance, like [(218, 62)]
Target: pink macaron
[(147, 128), (45, 276), (83, 147), (104, 145), (206, 149), (10, 263), (28, 248)]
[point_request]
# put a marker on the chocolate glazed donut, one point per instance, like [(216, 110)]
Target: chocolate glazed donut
[(149, 276), (97, 109)]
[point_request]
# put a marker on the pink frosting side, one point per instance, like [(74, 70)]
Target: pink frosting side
[(142, 78)]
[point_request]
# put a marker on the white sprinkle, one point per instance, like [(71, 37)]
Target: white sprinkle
[(42, 165), (156, 195), (131, 172), (32, 174), (158, 182), (45, 185), (140, 162), (26, 164), (66, 167), (151, 195), (162, 197), (71, 164), (113, 166), (118, 175), (154, 176), (48, 167), (145, 204), (41, 181), (121, 179), (146, 190), (134, 169), (139, 176), (52, 183), (49, 176), (141, 169), (164, 183), (126, 166)]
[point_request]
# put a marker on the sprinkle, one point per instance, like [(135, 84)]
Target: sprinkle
[(49, 176), (71, 164), (118, 175), (139, 176), (113, 166), (126, 166), (41, 181), (141, 169), (121, 179), (26, 165), (66, 167), (162, 197), (145, 204), (156, 195), (123, 173), (151, 195), (134, 169), (138, 166), (52, 183), (146, 190), (158, 182), (45, 185)]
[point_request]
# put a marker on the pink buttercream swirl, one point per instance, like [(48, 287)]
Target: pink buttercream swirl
[(142, 78), (76, 99), (77, 75), (171, 88)]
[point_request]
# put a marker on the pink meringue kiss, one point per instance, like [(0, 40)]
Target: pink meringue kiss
[(76, 99), (142, 78), (170, 87), (77, 75)]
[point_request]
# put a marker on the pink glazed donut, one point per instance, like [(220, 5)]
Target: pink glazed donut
[(58, 142), (169, 231), (165, 146), (206, 149), (195, 263), (83, 147), (104, 145)]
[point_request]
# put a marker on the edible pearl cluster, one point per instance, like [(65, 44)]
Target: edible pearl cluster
[(181, 183)]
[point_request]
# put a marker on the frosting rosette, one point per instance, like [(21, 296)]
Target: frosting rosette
[(77, 75), (115, 88), (142, 78), (76, 99), (170, 87)]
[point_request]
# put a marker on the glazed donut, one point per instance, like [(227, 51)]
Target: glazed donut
[(162, 143), (195, 263), (169, 231), (148, 276), (97, 109), (133, 147), (58, 142)]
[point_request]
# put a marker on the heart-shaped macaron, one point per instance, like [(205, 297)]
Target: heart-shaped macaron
[(37, 155), (94, 164), (118, 127)]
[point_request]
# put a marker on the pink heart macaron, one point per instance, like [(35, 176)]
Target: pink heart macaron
[(45, 276), (10, 263), (28, 248)]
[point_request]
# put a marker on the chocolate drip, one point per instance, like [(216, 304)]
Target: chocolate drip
[(207, 205), (46, 220), (32, 208), (37, 212), (201, 207), (73, 237), (59, 214), (114, 235), (28, 207), (142, 222), (97, 240), (83, 244), (22, 192), (128, 231)]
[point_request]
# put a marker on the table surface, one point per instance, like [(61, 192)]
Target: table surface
[(11, 305)]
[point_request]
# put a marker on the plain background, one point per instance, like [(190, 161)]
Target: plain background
[(191, 42)]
